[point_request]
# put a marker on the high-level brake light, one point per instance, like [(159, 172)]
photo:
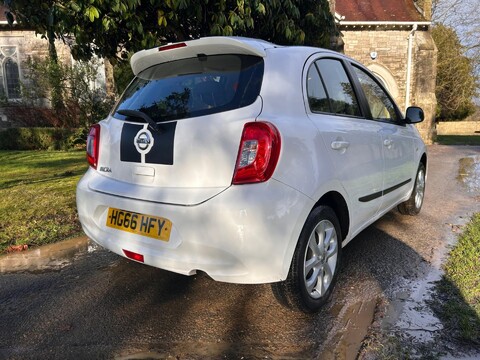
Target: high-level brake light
[(172, 46)]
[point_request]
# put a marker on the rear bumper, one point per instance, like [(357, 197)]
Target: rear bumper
[(246, 234)]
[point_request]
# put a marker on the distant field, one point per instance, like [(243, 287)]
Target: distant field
[(37, 196)]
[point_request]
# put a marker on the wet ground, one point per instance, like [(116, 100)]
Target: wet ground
[(49, 257), (75, 300), (469, 173), (407, 316)]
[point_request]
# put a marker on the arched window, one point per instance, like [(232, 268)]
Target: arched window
[(9, 73), (12, 78), (387, 79), (382, 80)]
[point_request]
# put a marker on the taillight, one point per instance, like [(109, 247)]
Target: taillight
[(258, 153), (93, 142)]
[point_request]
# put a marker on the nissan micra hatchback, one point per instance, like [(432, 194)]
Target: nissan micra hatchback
[(251, 162)]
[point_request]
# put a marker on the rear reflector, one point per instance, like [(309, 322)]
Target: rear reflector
[(93, 142), (172, 46), (133, 256), (258, 153)]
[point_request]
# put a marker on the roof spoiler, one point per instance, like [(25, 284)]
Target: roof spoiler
[(206, 46)]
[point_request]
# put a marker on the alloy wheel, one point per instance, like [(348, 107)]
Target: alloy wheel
[(320, 259)]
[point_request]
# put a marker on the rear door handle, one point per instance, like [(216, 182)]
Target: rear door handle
[(340, 145)]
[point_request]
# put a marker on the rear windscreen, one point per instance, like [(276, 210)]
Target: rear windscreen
[(193, 87)]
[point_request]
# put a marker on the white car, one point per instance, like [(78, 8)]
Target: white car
[(251, 162)]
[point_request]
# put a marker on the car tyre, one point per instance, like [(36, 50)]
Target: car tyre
[(315, 264), (414, 204)]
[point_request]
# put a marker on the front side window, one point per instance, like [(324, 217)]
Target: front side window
[(194, 87), (381, 107), (343, 100)]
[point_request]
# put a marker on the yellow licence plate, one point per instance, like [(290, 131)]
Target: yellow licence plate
[(141, 224)]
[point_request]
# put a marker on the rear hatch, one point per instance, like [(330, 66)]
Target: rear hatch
[(174, 135)]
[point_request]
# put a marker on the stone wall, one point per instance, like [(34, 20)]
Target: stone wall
[(423, 88), (390, 47), (31, 45), (458, 128)]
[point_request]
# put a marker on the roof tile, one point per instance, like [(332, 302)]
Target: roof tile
[(378, 10)]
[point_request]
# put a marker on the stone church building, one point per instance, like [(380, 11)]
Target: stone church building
[(392, 38), (17, 45)]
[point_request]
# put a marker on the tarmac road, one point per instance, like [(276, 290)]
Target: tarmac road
[(94, 304)]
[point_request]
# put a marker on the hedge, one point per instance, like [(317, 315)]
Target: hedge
[(41, 138)]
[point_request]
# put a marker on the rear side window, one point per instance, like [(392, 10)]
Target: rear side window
[(194, 87), (341, 97), (317, 97)]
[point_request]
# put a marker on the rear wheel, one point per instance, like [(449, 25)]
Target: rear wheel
[(315, 263), (414, 204)]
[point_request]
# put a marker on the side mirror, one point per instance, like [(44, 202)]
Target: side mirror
[(414, 115)]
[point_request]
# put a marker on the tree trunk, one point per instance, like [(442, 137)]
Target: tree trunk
[(109, 78), (54, 73), (52, 51)]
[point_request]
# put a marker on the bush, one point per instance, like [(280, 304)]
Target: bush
[(27, 115), (456, 84), (60, 95), (41, 138)]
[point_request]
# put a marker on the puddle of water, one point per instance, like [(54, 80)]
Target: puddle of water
[(354, 323), (469, 173), (409, 312), (141, 355), (49, 257), (451, 357), (215, 350), (204, 350)]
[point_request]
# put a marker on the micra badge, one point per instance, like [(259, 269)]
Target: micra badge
[(105, 169)]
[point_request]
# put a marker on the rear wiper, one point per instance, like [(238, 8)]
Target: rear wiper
[(141, 115)]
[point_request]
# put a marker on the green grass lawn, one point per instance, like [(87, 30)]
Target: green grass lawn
[(458, 303), (458, 139), (37, 196), (459, 289)]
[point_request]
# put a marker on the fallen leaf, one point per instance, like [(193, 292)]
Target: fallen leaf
[(17, 248)]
